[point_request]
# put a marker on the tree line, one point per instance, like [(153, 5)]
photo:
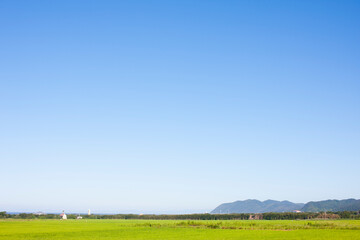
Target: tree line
[(206, 216)]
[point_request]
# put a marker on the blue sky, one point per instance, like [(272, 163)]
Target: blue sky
[(177, 106)]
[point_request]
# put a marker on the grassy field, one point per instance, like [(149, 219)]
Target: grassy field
[(168, 229)]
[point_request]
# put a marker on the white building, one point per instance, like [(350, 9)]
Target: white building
[(63, 216)]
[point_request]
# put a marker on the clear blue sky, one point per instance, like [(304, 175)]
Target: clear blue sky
[(177, 106)]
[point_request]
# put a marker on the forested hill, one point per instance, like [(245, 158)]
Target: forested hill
[(256, 206), (332, 205)]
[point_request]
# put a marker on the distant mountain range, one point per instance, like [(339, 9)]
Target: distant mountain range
[(256, 206), (332, 205)]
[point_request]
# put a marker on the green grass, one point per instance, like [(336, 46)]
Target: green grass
[(168, 229)]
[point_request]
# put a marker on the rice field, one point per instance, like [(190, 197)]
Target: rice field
[(177, 229)]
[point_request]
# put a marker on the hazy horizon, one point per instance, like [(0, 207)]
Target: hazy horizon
[(177, 105)]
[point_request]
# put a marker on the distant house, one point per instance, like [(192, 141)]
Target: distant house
[(297, 211), (39, 213), (79, 217), (257, 216), (63, 216)]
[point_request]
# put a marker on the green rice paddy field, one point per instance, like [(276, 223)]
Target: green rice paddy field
[(177, 229)]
